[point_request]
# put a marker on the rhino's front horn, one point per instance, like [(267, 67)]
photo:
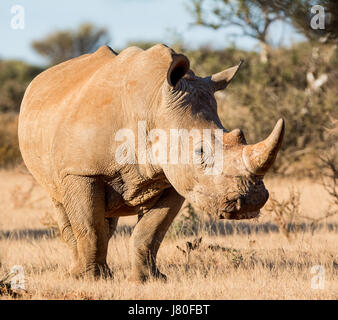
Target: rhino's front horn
[(221, 79), (259, 157)]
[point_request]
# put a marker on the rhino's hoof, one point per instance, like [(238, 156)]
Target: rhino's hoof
[(103, 271), (160, 276), (76, 271), (137, 279), (142, 278), (96, 271)]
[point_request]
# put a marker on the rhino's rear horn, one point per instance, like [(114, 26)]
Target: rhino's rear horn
[(221, 79), (178, 68)]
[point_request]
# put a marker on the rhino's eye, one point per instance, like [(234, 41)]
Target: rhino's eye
[(204, 157), (199, 151), (200, 156)]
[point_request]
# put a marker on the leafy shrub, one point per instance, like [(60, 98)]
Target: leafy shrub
[(14, 78), (9, 146)]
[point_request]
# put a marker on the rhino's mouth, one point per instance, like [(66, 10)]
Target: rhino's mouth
[(244, 205), (239, 216)]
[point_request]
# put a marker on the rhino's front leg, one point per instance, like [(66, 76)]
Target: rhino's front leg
[(84, 203), (111, 224), (149, 233)]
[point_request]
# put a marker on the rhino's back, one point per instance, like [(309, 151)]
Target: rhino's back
[(59, 81), (60, 115)]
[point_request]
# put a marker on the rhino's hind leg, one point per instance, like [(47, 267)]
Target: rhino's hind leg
[(85, 207), (149, 233), (66, 231)]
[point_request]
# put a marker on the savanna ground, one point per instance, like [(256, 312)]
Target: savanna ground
[(260, 259)]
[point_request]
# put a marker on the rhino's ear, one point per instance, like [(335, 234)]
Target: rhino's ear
[(178, 68), (221, 79)]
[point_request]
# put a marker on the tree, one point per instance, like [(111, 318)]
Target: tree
[(305, 15), (300, 13), (252, 17), (67, 44)]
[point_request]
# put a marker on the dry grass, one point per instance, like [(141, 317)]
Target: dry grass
[(235, 260)]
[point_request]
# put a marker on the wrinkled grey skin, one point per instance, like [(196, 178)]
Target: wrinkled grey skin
[(68, 119)]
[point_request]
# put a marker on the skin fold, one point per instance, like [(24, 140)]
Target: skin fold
[(68, 122)]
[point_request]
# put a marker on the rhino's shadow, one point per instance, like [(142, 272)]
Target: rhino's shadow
[(212, 228), (32, 234), (245, 228)]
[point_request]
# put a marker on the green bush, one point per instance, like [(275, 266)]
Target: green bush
[(9, 146), (14, 78)]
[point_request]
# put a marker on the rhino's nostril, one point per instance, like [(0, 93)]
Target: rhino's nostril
[(232, 207), (238, 204)]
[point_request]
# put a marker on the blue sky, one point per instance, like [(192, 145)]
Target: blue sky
[(126, 20)]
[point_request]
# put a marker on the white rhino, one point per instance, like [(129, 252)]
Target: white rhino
[(68, 122)]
